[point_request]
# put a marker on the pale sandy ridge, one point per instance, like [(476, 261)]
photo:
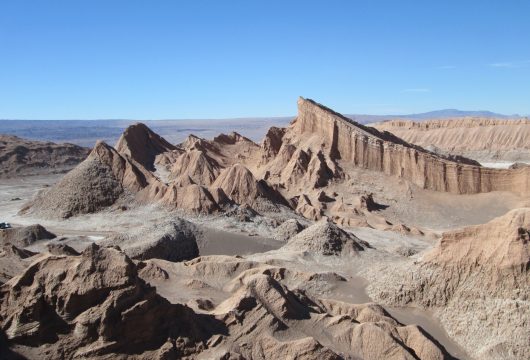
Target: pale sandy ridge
[(483, 139)]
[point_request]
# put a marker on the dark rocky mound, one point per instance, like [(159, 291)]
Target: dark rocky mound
[(25, 236), (288, 229), (93, 185), (326, 238), (173, 241)]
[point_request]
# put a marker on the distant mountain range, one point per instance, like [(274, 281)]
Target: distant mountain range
[(436, 114)]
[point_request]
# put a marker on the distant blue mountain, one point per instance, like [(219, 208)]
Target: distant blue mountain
[(446, 113), (437, 114)]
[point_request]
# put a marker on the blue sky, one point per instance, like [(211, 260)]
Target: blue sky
[(89, 59)]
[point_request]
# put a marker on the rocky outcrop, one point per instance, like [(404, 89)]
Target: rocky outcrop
[(22, 157), (94, 184), (483, 139), (503, 244), (56, 248), (173, 241), (325, 238), (305, 207), (95, 306), (230, 139), (25, 235), (142, 145), (352, 143), (320, 151), (263, 305), (240, 185), (272, 142), (197, 166), (478, 277), (288, 229), (13, 260)]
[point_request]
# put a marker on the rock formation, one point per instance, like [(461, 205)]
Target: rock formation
[(94, 184), (240, 185), (303, 168), (25, 236), (197, 166), (96, 305), (361, 146), (325, 238), (274, 301), (102, 303), (29, 157), (483, 139), (56, 248), (478, 277), (13, 260), (173, 241), (142, 145), (288, 229)]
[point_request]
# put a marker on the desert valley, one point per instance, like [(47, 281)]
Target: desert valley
[(327, 239)]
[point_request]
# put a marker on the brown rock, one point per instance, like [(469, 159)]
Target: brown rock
[(344, 139), (29, 157), (95, 305), (478, 138), (142, 145), (197, 166), (25, 236), (61, 249)]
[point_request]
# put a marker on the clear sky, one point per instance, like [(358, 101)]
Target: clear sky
[(88, 59)]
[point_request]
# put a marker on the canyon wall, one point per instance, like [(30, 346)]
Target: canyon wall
[(348, 141), (478, 138)]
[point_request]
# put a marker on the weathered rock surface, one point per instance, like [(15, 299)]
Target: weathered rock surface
[(478, 278), (25, 236), (368, 148), (299, 163), (478, 138), (173, 241), (94, 184), (270, 301), (142, 145), (288, 229), (240, 185), (13, 260), (197, 166), (29, 157), (55, 248), (95, 305), (325, 238)]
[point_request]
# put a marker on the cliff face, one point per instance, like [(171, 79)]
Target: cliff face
[(479, 138), (368, 148)]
